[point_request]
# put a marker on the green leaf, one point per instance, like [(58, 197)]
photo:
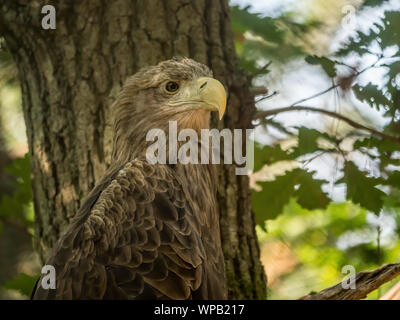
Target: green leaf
[(310, 195), (15, 205), (362, 189), (373, 3), (269, 202), (389, 32), (385, 34), (298, 183), (280, 38), (23, 283), (393, 198), (358, 44), (308, 142), (386, 150), (326, 64), (384, 146), (393, 179), (266, 155), (372, 95), (265, 27), (394, 70)]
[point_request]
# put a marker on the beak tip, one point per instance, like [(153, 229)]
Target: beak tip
[(214, 94), (221, 111)]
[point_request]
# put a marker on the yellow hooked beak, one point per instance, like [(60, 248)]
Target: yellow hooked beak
[(213, 94), (206, 93)]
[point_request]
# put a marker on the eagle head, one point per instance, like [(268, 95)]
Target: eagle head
[(179, 89)]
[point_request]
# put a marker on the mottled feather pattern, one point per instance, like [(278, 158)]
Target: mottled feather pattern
[(140, 240)]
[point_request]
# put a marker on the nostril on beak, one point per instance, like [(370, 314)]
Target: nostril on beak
[(203, 85)]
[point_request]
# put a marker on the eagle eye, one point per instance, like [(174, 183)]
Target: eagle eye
[(171, 87)]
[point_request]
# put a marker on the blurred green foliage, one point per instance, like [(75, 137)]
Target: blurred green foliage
[(23, 283), (18, 206), (298, 184), (293, 206), (316, 239), (271, 38), (16, 210), (361, 188)]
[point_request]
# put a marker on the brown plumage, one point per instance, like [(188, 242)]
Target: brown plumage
[(148, 231)]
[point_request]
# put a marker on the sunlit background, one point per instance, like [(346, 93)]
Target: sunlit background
[(304, 251)]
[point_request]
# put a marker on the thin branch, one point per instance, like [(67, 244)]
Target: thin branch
[(307, 161), (365, 281), (346, 65), (267, 97), (263, 114), (356, 74), (315, 95), (261, 70)]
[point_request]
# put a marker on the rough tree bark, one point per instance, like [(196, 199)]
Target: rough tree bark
[(69, 77)]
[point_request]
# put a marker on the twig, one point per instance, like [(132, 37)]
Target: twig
[(346, 65), (263, 114), (315, 95), (261, 70), (365, 281), (307, 161), (267, 97), (335, 85)]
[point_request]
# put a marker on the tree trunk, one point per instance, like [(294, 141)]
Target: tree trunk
[(69, 77)]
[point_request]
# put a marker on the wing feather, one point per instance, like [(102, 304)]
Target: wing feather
[(137, 238)]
